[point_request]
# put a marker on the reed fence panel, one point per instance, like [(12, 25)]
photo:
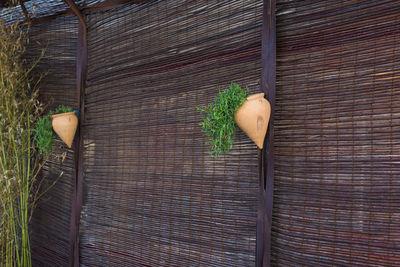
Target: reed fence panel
[(337, 187), (153, 196), (51, 219)]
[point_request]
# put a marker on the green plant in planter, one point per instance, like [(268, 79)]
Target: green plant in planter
[(44, 135), (219, 123), (61, 109)]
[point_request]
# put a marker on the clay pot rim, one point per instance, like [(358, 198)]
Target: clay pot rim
[(254, 96), (62, 114)]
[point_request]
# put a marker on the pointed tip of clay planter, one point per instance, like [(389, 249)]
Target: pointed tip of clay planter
[(65, 125), (253, 117)]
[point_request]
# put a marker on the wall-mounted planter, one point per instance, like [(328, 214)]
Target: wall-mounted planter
[(234, 106), (65, 125), (253, 117)]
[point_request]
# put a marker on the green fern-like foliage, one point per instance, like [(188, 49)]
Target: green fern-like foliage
[(219, 123), (44, 135)]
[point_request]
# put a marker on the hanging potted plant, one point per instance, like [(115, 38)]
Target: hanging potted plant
[(63, 121), (232, 107)]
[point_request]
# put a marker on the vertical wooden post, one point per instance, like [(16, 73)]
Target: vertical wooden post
[(266, 156), (23, 7), (261, 215), (81, 71)]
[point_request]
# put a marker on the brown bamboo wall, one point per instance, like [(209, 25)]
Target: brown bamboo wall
[(50, 224), (153, 196), (337, 187)]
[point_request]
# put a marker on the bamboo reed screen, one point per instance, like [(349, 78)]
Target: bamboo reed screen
[(50, 225), (337, 186), (35, 9), (153, 196)]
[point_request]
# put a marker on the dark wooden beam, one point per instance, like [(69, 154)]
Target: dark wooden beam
[(268, 78), (24, 10), (81, 72), (77, 12), (261, 215)]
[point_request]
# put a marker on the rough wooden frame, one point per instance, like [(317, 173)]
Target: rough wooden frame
[(266, 156), (81, 71)]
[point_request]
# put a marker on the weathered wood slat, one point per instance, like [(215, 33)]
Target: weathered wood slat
[(81, 72), (266, 192)]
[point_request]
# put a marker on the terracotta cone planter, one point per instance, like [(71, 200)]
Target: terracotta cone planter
[(253, 117), (65, 125)]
